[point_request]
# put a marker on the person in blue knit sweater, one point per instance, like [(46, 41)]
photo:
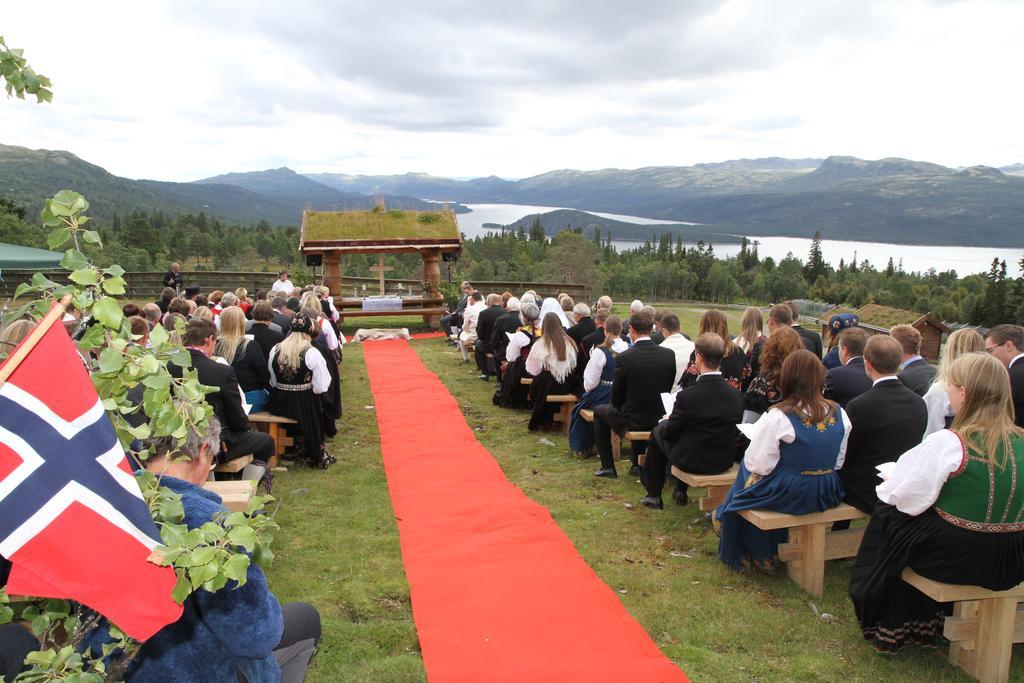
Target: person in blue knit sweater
[(236, 633)]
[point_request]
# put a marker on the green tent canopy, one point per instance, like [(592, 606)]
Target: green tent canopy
[(15, 257)]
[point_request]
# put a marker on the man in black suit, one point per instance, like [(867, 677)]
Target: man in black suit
[(642, 373), (810, 338), (509, 322), (485, 335), (849, 380), (454, 319), (888, 420), (1006, 343), (263, 331), (596, 337), (282, 314), (172, 278), (584, 324), (700, 434), (914, 370), (199, 338)]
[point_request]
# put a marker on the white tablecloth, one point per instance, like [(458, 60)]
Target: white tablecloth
[(382, 303)]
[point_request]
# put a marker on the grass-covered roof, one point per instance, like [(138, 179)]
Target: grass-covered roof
[(377, 224)]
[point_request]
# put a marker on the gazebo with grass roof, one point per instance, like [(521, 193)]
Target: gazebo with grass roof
[(431, 234)]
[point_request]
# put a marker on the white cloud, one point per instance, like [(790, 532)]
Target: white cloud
[(186, 89)]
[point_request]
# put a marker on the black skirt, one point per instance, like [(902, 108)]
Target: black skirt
[(305, 408), (513, 393), (543, 386), (893, 613)]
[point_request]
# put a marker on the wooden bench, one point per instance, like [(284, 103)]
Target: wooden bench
[(565, 404), (526, 381), (235, 495), (717, 485), (984, 626), (588, 416), (633, 437), (234, 466), (810, 542), (271, 424)]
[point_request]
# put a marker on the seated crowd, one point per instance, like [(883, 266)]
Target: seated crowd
[(930, 453)]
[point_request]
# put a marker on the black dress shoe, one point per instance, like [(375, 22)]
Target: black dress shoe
[(652, 502), (680, 497), (610, 473), (635, 471)]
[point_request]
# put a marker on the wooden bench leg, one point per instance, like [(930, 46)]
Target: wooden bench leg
[(961, 652), (616, 447), (274, 430), (565, 410), (808, 571), (714, 498), (991, 657)]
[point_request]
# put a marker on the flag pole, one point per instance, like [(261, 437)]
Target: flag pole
[(14, 360)]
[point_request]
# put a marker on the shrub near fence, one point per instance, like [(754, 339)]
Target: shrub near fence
[(146, 285)]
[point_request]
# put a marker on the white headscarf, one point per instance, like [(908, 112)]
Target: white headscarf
[(551, 305)]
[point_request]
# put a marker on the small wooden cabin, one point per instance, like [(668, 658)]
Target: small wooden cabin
[(878, 319)]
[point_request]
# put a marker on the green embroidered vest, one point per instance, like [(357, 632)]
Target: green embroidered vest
[(982, 497)]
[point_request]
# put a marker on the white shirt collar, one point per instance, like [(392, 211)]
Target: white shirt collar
[(852, 359), (644, 338), (884, 379), (1015, 359), (709, 373)]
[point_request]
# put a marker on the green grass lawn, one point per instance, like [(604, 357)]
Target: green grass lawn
[(339, 549)]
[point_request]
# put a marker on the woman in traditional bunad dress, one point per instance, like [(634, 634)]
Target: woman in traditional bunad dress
[(597, 382), (513, 393), (551, 362), (952, 509), (735, 366), (791, 465), (298, 376)]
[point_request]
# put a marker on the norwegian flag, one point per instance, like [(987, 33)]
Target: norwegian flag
[(72, 518)]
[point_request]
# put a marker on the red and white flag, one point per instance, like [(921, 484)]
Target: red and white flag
[(73, 522)]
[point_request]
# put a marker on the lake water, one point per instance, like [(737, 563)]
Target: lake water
[(964, 260)]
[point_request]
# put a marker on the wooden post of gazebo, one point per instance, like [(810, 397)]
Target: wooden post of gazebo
[(332, 272), (432, 280)]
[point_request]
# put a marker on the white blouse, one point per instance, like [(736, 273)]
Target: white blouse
[(315, 362), (936, 399), (763, 453), (913, 482), (328, 331), (595, 366), (542, 358), (515, 344)]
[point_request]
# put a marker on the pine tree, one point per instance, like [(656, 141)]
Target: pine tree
[(816, 266), (537, 231), (890, 269)]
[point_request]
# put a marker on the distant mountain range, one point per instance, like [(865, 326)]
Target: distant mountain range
[(888, 200), (277, 196)]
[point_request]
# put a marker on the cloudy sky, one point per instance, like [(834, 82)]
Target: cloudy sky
[(187, 89)]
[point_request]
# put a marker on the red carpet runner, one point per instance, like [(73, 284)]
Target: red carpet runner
[(499, 593)]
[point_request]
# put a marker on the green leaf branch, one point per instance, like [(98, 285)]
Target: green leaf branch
[(213, 557), (19, 77)]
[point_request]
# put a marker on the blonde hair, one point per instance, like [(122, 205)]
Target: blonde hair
[(242, 293), (714, 321), (310, 305), (291, 350), (985, 420), (203, 313), (14, 334), (960, 342), (232, 340)]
